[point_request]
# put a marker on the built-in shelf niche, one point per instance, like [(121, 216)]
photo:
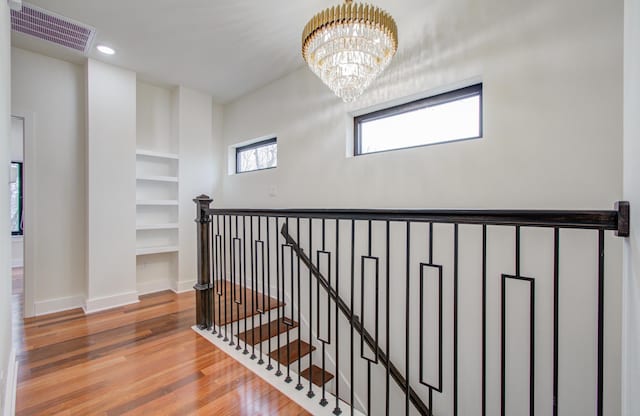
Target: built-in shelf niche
[(157, 220)]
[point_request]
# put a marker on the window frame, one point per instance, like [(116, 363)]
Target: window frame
[(20, 198), (254, 145), (419, 104)]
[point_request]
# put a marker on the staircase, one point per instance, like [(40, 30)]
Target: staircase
[(253, 329)]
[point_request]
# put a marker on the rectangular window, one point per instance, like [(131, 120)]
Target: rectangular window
[(452, 116), (257, 156), (15, 187)]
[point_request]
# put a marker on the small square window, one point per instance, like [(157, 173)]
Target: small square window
[(452, 116), (257, 156)]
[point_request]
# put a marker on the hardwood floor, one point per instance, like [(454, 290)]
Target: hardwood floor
[(140, 359)]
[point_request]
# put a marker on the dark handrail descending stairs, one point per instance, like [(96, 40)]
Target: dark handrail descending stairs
[(368, 338)]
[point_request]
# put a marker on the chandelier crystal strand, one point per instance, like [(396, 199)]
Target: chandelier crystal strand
[(348, 46)]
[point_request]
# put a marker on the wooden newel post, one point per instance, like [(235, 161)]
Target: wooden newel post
[(203, 286)]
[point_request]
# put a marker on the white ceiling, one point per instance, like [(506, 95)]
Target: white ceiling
[(225, 47)]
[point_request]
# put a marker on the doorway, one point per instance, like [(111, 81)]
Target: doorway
[(16, 188)]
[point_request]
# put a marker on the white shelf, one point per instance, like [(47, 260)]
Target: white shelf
[(142, 251), (158, 202), (151, 153), (169, 226), (154, 178)]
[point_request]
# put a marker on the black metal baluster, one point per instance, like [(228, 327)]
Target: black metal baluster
[(268, 265), (299, 386), (310, 393), (337, 409), (421, 323), (502, 349), (351, 371), (455, 319), (388, 338), (278, 370), (264, 294), (323, 400), (285, 319), (532, 353), (518, 250), (220, 284), (407, 318), (235, 299), (532, 348), (600, 323), (556, 313), (484, 320), (254, 287), (369, 236), (531, 331), (232, 252), (532, 287), (215, 272), (258, 295)]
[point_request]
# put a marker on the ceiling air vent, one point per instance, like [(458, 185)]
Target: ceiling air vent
[(45, 25)]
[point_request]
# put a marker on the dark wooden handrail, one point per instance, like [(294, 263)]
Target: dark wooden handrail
[(617, 219), (357, 325)]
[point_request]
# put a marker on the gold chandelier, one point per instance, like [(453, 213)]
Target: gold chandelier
[(348, 46)]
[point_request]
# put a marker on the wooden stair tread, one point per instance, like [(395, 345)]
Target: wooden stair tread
[(226, 302), (294, 353), (316, 375), (257, 335)]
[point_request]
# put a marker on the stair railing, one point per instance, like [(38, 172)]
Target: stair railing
[(240, 252)]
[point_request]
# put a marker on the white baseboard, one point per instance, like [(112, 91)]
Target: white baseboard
[(11, 385), (48, 306), (154, 286), (108, 302), (182, 286)]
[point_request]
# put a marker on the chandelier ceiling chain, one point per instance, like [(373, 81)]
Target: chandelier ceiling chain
[(349, 45)]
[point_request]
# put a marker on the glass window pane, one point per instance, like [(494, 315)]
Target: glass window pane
[(454, 119), (257, 156)]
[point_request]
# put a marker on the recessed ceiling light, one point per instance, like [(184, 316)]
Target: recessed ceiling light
[(105, 49)]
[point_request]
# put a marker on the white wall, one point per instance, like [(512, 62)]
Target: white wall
[(50, 94), (552, 75), (154, 118), (17, 135), (197, 172), (17, 251), (219, 149), (631, 261), (111, 187), (5, 274)]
